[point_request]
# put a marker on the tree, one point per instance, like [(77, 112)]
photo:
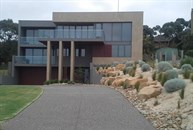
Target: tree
[(148, 47), (8, 40)]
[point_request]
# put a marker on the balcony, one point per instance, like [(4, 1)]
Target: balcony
[(65, 35), (33, 60)]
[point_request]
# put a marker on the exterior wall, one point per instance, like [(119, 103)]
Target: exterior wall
[(135, 17), (108, 60), (102, 50)]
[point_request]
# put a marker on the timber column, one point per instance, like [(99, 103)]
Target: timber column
[(48, 66), (72, 61), (60, 61)]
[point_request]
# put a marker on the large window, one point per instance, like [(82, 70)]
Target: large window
[(107, 27), (121, 50), (116, 33), (126, 31)]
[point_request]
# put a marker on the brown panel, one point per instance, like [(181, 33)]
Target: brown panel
[(102, 51), (32, 75)]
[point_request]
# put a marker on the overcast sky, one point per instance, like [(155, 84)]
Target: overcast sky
[(156, 12)]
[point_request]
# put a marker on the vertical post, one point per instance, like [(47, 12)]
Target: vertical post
[(48, 67), (72, 61), (60, 61)]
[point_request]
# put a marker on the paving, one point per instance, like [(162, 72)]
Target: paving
[(79, 107)]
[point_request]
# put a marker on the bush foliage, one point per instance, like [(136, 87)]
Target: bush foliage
[(186, 67), (171, 74), (163, 66), (145, 67), (187, 60), (173, 85)]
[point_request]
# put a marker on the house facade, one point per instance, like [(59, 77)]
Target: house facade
[(71, 41)]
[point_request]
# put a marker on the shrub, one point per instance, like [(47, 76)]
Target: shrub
[(160, 77), (129, 64), (163, 79), (191, 77), (187, 60), (109, 82), (114, 64), (171, 74), (127, 70), (137, 86), (186, 74), (124, 85), (71, 82), (173, 85), (163, 66), (182, 93), (47, 82), (186, 67), (141, 63), (145, 67), (97, 68), (154, 76)]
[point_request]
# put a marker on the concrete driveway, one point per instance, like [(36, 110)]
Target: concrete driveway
[(79, 108)]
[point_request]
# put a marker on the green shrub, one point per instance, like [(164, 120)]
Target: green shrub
[(137, 86), (127, 70), (171, 74), (97, 68), (191, 77), (186, 67), (186, 74), (164, 79), (163, 66), (187, 60), (141, 63), (114, 64), (182, 93), (124, 85), (47, 82), (154, 75), (160, 76), (173, 85), (129, 64), (71, 82), (109, 82), (145, 67)]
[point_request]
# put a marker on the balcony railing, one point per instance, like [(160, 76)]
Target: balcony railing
[(37, 60), (65, 34)]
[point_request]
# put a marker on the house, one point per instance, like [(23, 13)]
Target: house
[(56, 49), (166, 49)]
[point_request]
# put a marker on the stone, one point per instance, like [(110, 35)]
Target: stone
[(133, 81), (120, 67), (109, 81), (149, 92), (102, 81)]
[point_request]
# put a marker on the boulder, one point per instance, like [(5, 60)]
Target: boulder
[(133, 81), (120, 67), (150, 92), (145, 84), (102, 81), (109, 81), (118, 82)]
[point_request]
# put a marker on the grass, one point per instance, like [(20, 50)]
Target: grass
[(14, 98)]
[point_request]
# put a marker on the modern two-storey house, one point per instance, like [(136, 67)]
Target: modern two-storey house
[(71, 40)]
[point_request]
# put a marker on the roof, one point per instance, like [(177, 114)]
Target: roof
[(161, 38)]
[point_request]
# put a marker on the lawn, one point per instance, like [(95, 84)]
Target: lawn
[(14, 98)]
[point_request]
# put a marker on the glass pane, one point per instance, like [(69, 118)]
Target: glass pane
[(84, 32), (114, 50), (78, 31), (72, 31), (90, 32), (126, 31), (77, 52), (66, 31), (121, 51), (28, 52), (107, 27), (116, 32), (98, 30), (128, 51), (83, 52), (37, 52), (29, 33)]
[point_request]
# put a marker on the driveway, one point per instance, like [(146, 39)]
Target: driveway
[(79, 108)]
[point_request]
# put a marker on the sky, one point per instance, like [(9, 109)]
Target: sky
[(156, 12)]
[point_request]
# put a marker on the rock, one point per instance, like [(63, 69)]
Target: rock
[(102, 81), (145, 84), (133, 81), (109, 81), (149, 92), (120, 67), (118, 82)]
